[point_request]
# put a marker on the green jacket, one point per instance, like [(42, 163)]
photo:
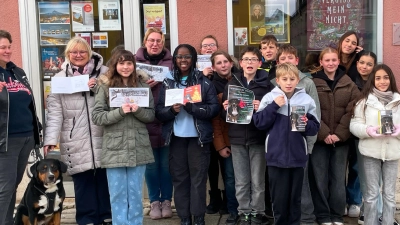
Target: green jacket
[(126, 140)]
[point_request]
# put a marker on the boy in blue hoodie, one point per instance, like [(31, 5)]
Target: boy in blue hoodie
[(286, 153)]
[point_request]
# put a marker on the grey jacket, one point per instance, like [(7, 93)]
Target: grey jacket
[(309, 86), (126, 140), (69, 123)]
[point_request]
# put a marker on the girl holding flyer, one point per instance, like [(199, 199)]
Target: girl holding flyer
[(126, 144), (188, 131), (380, 151)]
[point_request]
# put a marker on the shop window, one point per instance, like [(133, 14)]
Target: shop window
[(155, 13), (309, 25)]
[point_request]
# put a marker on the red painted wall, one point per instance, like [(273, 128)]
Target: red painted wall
[(391, 55), (10, 22), (198, 18)]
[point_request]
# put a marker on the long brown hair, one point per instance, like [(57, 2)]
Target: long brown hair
[(352, 56), (324, 51), (370, 85), (112, 74)]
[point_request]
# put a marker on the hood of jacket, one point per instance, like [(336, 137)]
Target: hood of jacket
[(340, 72)]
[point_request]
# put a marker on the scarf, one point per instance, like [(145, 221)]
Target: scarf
[(383, 96), (88, 69)]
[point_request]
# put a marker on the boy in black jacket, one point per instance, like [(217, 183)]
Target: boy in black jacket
[(247, 142)]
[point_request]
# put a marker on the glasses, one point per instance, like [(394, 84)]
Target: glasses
[(183, 56), (250, 60), (158, 41), (212, 45), (75, 53)]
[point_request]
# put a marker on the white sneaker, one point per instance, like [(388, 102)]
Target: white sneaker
[(354, 211)]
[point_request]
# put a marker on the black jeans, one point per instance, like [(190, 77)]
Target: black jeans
[(92, 199), (285, 185), (188, 165), (216, 162), (12, 168)]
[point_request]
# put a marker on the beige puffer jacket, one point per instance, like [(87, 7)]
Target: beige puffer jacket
[(69, 117)]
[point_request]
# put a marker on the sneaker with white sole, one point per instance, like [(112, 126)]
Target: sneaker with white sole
[(345, 211), (354, 211), (361, 220)]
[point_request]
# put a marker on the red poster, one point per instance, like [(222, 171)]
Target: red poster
[(328, 20)]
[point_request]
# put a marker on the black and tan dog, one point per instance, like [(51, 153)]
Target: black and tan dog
[(44, 196)]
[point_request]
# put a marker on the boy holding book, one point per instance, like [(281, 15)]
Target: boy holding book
[(286, 153), (247, 142)]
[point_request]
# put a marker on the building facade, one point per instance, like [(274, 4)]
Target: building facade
[(306, 24)]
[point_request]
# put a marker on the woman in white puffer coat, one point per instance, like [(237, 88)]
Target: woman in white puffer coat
[(381, 151), (69, 123)]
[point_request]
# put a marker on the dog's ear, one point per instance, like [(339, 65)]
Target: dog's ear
[(33, 169), (63, 167)]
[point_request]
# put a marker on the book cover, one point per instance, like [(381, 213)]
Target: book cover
[(296, 118), (240, 105), (385, 122), (181, 96), (51, 61)]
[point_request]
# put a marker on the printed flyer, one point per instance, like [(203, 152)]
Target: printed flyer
[(100, 40), (203, 61), (52, 60), (82, 16), (240, 36), (86, 36), (120, 96), (240, 105), (158, 73), (154, 16)]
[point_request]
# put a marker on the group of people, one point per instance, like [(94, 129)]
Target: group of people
[(269, 171)]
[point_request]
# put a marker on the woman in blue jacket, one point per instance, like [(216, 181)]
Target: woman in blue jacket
[(188, 131)]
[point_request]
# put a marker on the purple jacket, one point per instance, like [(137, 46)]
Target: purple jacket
[(155, 127)]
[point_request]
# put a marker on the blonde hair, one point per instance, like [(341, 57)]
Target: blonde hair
[(324, 51), (287, 69), (153, 30), (75, 41)]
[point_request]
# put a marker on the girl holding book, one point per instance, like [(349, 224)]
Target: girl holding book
[(380, 151), (188, 131), (126, 145)]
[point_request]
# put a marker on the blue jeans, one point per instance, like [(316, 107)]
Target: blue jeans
[(232, 203), (328, 186), (12, 168), (353, 189), (373, 169), (158, 178), (125, 186)]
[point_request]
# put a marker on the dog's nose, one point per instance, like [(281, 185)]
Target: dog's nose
[(51, 177)]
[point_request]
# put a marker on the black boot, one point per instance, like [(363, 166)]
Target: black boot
[(224, 204), (199, 220), (215, 201), (186, 221)]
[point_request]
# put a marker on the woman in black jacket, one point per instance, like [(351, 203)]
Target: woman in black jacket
[(19, 127)]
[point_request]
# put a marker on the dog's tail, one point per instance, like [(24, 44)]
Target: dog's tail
[(21, 210)]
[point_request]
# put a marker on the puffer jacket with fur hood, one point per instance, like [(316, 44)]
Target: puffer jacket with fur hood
[(70, 118)]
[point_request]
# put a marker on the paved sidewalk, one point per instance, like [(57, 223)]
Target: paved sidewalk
[(68, 216)]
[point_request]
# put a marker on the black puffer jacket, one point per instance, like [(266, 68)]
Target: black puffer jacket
[(4, 108), (202, 112), (248, 134)]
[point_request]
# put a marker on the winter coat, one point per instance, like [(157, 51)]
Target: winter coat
[(309, 86), (335, 105), (248, 134), (202, 112), (155, 127), (285, 148), (384, 148), (4, 108), (69, 122), (126, 140)]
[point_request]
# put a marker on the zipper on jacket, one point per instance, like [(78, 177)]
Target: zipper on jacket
[(90, 132), (198, 131), (73, 126), (8, 112), (288, 133)]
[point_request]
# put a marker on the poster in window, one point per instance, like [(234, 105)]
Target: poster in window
[(100, 40), (269, 17), (154, 16), (54, 34), (327, 21), (109, 15), (86, 36), (82, 16), (54, 23), (54, 12), (240, 36), (52, 59)]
